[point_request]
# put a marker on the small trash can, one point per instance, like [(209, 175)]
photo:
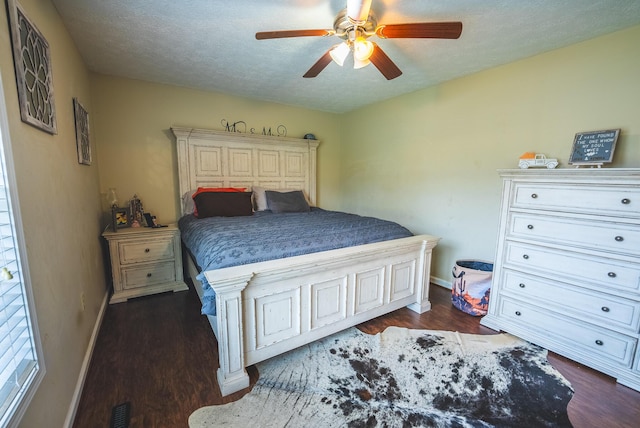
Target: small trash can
[(471, 286)]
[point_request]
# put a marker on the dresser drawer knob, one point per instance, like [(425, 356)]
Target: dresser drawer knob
[(529, 226), (619, 238), (149, 275), (521, 285), (612, 274), (535, 195), (518, 313), (599, 342), (626, 201), (605, 309), (525, 256), (146, 250)]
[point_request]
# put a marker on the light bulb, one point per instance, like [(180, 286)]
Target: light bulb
[(362, 49)]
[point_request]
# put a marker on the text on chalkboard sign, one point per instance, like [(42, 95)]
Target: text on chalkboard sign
[(594, 147)]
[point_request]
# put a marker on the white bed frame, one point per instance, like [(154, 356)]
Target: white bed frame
[(265, 309)]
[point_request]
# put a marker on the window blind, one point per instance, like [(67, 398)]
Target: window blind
[(18, 362)]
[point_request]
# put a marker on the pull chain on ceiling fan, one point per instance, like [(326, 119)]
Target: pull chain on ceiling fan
[(355, 24)]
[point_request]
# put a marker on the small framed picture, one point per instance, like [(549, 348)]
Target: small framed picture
[(82, 133), (120, 218)]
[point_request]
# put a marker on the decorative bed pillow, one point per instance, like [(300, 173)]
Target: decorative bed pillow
[(260, 198), (188, 206), (223, 204), (287, 202), (200, 190)]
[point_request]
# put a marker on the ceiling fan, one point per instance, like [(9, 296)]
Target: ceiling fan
[(355, 24)]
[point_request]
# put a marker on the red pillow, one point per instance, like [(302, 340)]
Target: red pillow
[(213, 190)]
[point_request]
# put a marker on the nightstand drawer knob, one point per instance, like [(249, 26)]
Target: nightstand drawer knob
[(148, 275), (626, 201), (529, 226), (521, 285), (599, 342), (612, 274), (619, 238), (605, 309), (534, 195), (518, 313), (525, 256), (146, 250)]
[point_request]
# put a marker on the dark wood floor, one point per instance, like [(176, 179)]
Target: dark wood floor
[(159, 354)]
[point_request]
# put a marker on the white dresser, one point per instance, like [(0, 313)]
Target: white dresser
[(145, 261), (567, 268)]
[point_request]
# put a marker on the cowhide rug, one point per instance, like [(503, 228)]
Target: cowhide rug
[(402, 378)]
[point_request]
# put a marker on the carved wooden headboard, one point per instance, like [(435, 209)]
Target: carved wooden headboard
[(208, 158)]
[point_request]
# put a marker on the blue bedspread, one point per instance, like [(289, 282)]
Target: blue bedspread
[(220, 242)]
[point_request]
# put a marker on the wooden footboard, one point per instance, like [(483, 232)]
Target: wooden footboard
[(265, 309)]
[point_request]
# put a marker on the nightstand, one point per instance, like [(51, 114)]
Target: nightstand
[(145, 261)]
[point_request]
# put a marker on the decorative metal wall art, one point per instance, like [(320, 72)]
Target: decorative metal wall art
[(82, 133), (241, 127), (33, 71)]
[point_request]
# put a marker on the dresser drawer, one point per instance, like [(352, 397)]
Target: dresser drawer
[(160, 248), (601, 200), (591, 306), (598, 272), (597, 342), (148, 274), (621, 238)]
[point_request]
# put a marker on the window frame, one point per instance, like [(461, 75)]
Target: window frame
[(14, 413)]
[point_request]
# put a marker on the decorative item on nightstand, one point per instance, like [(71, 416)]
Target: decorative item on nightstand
[(112, 197), (120, 218), (136, 210)]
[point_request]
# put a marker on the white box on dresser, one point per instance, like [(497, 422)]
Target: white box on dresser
[(567, 268), (145, 261)]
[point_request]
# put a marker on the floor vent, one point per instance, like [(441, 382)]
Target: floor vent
[(120, 415)]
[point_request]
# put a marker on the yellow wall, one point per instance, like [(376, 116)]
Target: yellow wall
[(60, 205), (137, 152), (428, 160)]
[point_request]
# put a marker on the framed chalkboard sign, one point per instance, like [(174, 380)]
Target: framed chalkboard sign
[(594, 147)]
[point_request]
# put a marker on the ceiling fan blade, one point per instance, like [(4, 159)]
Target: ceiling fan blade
[(358, 10), (319, 65), (262, 35), (421, 30), (384, 63)]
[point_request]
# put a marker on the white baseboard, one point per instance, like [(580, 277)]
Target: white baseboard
[(441, 282), (73, 407)]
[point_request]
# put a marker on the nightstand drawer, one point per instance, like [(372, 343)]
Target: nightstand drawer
[(148, 274), (599, 343), (160, 248)]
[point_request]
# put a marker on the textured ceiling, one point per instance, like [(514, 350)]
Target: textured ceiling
[(211, 45)]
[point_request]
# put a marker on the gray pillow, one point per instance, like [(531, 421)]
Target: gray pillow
[(287, 202)]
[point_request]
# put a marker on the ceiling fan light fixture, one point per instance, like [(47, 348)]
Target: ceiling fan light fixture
[(360, 64), (362, 49), (339, 53)]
